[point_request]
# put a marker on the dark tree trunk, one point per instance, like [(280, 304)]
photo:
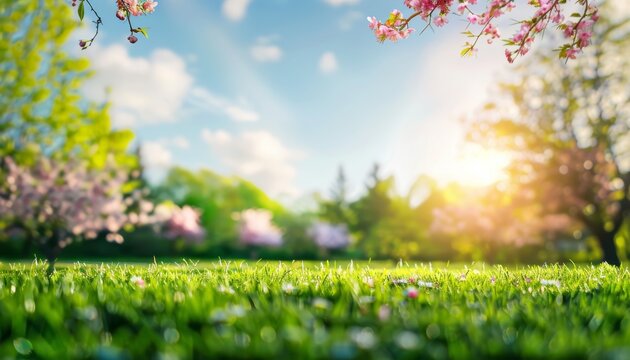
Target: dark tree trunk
[(51, 250), (609, 250)]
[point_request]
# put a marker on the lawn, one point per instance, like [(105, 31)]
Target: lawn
[(301, 310)]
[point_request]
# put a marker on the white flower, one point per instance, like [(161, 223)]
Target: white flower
[(550, 282), (288, 288)]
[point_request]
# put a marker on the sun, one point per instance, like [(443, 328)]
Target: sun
[(477, 166)]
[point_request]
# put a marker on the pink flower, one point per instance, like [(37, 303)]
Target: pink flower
[(138, 281), (149, 6), (462, 7), (508, 56), (411, 292), (572, 53), (440, 21), (132, 7), (472, 18), (374, 23)]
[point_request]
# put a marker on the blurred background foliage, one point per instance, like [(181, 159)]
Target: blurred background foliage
[(565, 197)]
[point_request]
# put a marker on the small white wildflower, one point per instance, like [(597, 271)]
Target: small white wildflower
[(288, 288), (550, 282), (321, 303)]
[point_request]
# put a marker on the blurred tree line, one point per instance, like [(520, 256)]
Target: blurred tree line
[(566, 197)]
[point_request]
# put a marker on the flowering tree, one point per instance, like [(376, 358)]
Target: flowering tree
[(256, 228), (496, 219), (329, 236), (54, 203), (179, 223), (482, 19), (568, 127)]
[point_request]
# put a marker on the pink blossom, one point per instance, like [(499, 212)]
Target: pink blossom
[(329, 236), (440, 21), (138, 281), (149, 6), (256, 228), (179, 223), (462, 7), (411, 292)]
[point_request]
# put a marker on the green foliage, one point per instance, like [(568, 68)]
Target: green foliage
[(41, 110), (388, 225), (218, 197), (306, 311)]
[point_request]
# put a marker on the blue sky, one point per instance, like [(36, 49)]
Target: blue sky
[(284, 92)]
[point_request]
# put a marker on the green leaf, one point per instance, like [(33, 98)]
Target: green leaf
[(144, 32), (81, 10)]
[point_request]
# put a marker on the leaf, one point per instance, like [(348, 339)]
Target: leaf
[(144, 32), (465, 51), (81, 10)]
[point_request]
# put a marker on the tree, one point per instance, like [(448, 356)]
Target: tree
[(41, 110), (570, 134), (72, 169), (387, 226), (52, 203), (489, 224), (336, 209), (576, 26)]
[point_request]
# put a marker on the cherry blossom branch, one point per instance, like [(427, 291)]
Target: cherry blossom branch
[(84, 44), (548, 12), (125, 9)]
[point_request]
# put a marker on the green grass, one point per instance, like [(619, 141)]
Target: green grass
[(300, 311)]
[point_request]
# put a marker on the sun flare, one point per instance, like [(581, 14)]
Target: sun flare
[(477, 166)]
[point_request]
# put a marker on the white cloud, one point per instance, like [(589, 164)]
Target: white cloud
[(179, 142), (341, 2), (257, 156), (155, 155), (349, 19), (235, 10), (265, 50), (266, 53), (205, 99), (142, 90), (328, 63)]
